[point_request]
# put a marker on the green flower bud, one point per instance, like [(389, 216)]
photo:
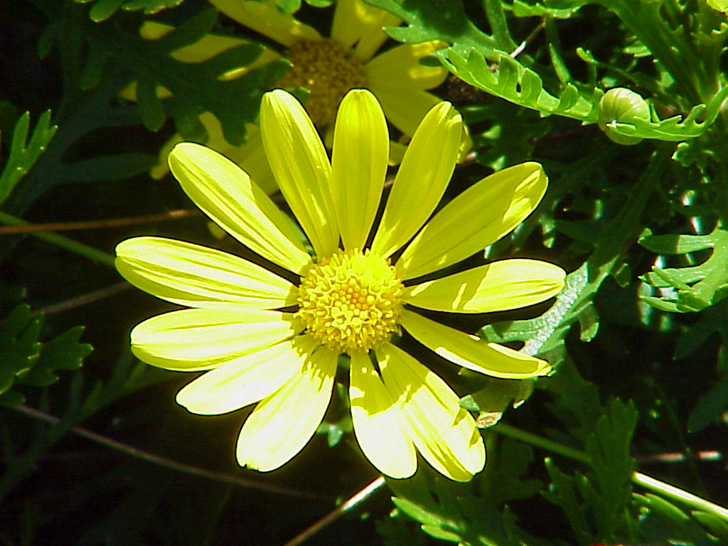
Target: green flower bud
[(621, 105)]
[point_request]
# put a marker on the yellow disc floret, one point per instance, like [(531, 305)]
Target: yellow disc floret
[(350, 301), (328, 71)]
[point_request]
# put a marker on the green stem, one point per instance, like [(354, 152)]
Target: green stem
[(666, 490), (679, 495), (86, 251), (543, 443)]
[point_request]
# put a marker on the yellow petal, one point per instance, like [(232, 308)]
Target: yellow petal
[(400, 68), (286, 420), (423, 176), (475, 219), (378, 421), (250, 156), (201, 339), (405, 108), (267, 19), (301, 168), (197, 276), (246, 379), (252, 159), (443, 432), (359, 165), (502, 285), (467, 351), (360, 24), (225, 193)]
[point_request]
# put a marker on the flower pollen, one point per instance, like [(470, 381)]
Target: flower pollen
[(328, 71), (350, 301)]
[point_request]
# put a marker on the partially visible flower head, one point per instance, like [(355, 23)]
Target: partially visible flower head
[(327, 67), (261, 338)]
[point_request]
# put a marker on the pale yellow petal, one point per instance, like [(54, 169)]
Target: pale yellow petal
[(378, 421), (400, 68), (282, 424), (475, 219), (201, 339), (225, 193), (246, 379), (502, 285), (301, 168), (359, 165), (267, 19), (197, 276), (252, 159), (405, 108), (421, 180), (443, 432), (360, 24), (469, 352), (250, 156)]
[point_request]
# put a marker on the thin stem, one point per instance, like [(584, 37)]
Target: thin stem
[(162, 461), (669, 491), (540, 441), (97, 224), (352, 502), (81, 249)]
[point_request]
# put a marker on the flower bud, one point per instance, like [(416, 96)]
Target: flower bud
[(621, 105)]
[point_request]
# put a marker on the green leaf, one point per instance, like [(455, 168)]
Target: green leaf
[(510, 134), (521, 9), (596, 502), (516, 83), (450, 511), (711, 404), (663, 521), (196, 87), (24, 153), (693, 288), (545, 335), (493, 399), (503, 478), (427, 20), (103, 9), (24, 360), (676, 128)]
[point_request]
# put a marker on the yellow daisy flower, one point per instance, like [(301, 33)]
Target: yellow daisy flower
[(326, 67), (275, 339)]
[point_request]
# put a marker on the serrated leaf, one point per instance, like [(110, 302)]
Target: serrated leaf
[(19, 347), (510, 136), (23, 152), (676, 128), (711, 404), (24, 360), (595, 502), (427, 20), (695, 287), (195, 87), (63, 352), (519, 84), (503, 478), (450, 511)]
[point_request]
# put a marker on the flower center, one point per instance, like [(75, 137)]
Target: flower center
[(328, 71), (350, 301)]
